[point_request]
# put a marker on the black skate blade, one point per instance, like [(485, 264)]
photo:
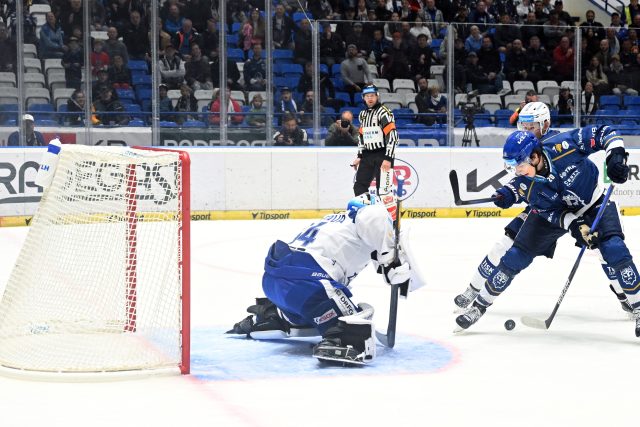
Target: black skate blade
[(338, 361), (340, 355)]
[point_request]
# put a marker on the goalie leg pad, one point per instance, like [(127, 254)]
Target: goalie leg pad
[(265, 322), (351, 340), (388, 198)]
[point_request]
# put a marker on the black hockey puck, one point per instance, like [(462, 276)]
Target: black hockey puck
[(509, 324)]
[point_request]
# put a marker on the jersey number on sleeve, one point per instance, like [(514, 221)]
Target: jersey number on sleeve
[(309, 235)]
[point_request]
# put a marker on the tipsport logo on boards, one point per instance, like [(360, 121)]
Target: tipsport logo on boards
[(404, 170)]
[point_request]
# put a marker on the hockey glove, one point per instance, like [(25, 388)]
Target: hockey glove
[(503, 198), (396, 273), (581, 231), (617, 169)]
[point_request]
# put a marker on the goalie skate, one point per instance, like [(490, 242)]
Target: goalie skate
[(330, 350)]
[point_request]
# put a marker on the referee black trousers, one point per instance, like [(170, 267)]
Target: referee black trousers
[(368, 169)]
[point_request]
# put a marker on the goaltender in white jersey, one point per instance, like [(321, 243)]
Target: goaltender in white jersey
[(306, 282)]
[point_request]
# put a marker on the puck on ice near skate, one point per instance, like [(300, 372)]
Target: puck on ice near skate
[(509, 324)]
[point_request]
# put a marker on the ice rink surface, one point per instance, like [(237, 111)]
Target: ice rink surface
[(582, 372)]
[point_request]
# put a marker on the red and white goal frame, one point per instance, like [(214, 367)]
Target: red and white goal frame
[(102, 283)]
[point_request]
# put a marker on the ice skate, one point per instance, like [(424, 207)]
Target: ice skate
[(636, 316), (463, 300), (470, 317)]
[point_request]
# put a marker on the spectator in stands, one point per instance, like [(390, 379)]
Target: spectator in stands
[(109, 110), (305, 114), (136, 37), (436, 104), (286, 104), (598, 78), (379, 44), (119, 74), (51, 44), (258, 113), (255, 70), (432, 17), (72, 62), (101, 83), (372, 24), (173, 21), (233, 109), (120, 10), (71, 17), (98, 16), (620, 80), (187, 105), (506, 33), (360, 39), (362, 13), (484, 82), (342, 133), (257, 23), (245, 37), (390, 28), (303, 45), (231, 68), (199, 11), (524, 8), (165, 105), (421, 102), (331, 46), (517, 66), (630, 11), (563, 15), (291, 6), (530, 96), (7, 51), (406, 11), (197, 70), (530, 28), (395, 60), (460, 23), (489, 60), (565, 106), (618, 26), (327, 90), (29, 26), (345, 25), (171, 68), (591, 23), (418, 28), (542, 14), (382, 11), (627, 57), (563, 58), (421, 57), (354, 71), (481, 17), (290, 134), (589, 100), (99, 58), (210, 38), (604, 55), (408, 40), (473, 43), (114, 47), (614, 43), (539, 60), (164, 39), (31, 137), (185, 38), (75, 110), (554, 30), (282, 27)]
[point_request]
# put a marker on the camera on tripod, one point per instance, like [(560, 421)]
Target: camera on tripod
[(470, 107)]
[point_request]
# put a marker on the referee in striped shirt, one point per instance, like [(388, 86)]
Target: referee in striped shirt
[(376, 145)]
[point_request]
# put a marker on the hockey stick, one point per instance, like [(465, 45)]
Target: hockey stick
[(389, 339), (455, 186), (532, 322)]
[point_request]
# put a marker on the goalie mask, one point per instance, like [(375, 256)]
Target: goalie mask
[(357, 203)]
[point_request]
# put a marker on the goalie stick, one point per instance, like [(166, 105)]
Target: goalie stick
[(455, 187), (389, 339), (532, 322)]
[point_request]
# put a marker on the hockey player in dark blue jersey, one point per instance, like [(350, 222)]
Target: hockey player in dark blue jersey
[(535, 118), (562, 188)]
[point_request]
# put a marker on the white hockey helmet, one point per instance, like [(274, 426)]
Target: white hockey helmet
[(535, 112)]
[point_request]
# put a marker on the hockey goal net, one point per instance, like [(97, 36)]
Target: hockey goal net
[(102, 281)]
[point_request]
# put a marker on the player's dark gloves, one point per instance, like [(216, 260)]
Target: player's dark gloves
[(581, 231), (503, 198), (617, 169)]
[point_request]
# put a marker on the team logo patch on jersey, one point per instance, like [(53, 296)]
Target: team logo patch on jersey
[(557, 148), (331, 314), (523, 186), (628, 276), (500, 280), (485, 268)]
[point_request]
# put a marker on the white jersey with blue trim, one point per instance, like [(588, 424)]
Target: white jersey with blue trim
[(342, 246)]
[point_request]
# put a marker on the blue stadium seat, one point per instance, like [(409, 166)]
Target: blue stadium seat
[(610, 102), (141, 81), (335, 70), (344, 96), (435, 44), (632, 101), (136, 123), (233, 38), (235, 55), (167, 124), (126, 94), (194, 124), (282, 56), (9, 111), (324, 68), (42, 111), (502, 118), (138, 65), (292, 70), (46, 122), (299, 16), (143, 93)]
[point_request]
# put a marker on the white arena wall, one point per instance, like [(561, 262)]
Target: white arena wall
[(285, 183)]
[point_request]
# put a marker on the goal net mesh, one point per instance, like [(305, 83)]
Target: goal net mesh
[(98, 284)]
